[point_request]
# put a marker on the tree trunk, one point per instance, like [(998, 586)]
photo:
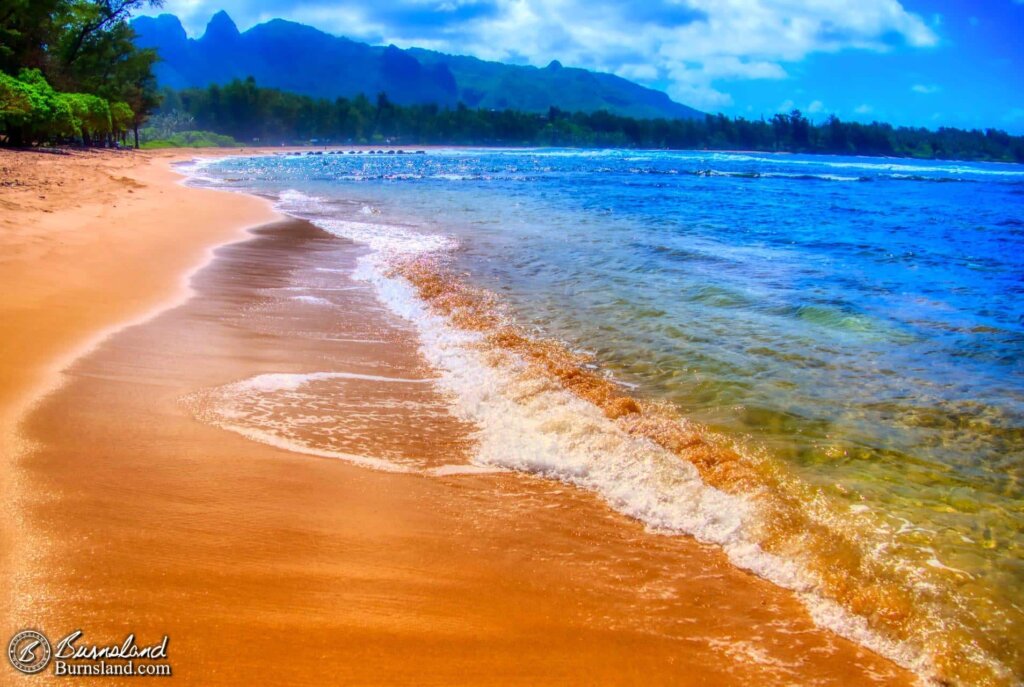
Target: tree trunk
[(15, 137), (135, 128)]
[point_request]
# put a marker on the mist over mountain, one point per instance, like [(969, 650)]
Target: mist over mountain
[(301, 59)]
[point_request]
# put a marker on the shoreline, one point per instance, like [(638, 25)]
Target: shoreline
[(229, 224), (51, 325), (586, 508)]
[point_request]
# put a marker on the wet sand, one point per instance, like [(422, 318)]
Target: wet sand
[(89, 240), (269, 565)]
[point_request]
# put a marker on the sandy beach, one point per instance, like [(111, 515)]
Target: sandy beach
[(90, 241), (134, 307)]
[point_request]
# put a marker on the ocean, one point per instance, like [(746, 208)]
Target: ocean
[(813, 362)]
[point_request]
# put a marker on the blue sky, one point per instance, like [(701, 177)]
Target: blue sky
[(918, 62)]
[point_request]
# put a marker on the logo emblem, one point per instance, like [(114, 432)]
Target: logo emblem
[(29, 651)]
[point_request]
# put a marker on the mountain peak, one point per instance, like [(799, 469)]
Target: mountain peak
[(221, 28), (165, 27), (302, 59)]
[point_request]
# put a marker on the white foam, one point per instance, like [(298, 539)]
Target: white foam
[(886, 166), (387, 239), (194, 170), (318, 288), (281, 381), (351, 340), (532, 425), (291, 197), (313, 300), (247, 407), (470, 469)]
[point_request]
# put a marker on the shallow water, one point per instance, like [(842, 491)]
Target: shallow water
[(853, 322)]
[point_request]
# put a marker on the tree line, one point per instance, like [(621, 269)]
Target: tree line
[(252, 114), (70, 72)]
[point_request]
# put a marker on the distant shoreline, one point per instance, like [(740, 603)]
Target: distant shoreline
[(260, 149), (266, 149)]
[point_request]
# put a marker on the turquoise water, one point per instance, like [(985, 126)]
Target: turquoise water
[(858, 320)]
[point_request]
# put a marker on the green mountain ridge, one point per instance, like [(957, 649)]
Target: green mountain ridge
[(301, 59)]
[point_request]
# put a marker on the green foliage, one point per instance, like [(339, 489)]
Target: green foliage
[(268, 116), (189, 139), (26, 28), (86, 49), (121, 116), (31, 108), (15, 97), (91, 114)]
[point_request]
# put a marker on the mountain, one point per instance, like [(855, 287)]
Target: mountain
[(301, 59)]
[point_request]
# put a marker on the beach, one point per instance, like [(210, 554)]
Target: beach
[(91, 241), (135, 307)]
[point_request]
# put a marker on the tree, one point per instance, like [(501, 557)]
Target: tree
[(83, 48), (121, 119), (30, 109), (800, 130), (26, 29), (90, 24)]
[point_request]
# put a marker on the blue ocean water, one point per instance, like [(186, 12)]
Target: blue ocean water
[(858, 320)]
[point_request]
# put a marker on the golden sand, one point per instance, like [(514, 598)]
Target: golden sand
[(88, 242), (268, 566)]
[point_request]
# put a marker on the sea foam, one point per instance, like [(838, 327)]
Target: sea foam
[(533, 425)]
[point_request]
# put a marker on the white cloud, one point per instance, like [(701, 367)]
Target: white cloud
[(863, 109), (815, 107), (702, 96), (638, 72), (690, 47), (925, 89)]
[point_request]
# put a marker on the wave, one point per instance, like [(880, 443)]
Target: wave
[(319, 414), (195, 170), (738, 174), (797, 176), (924, 175), (252, 408), (568, 422), (892, 167)]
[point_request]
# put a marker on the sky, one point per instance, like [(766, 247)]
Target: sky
[(916, 62)]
